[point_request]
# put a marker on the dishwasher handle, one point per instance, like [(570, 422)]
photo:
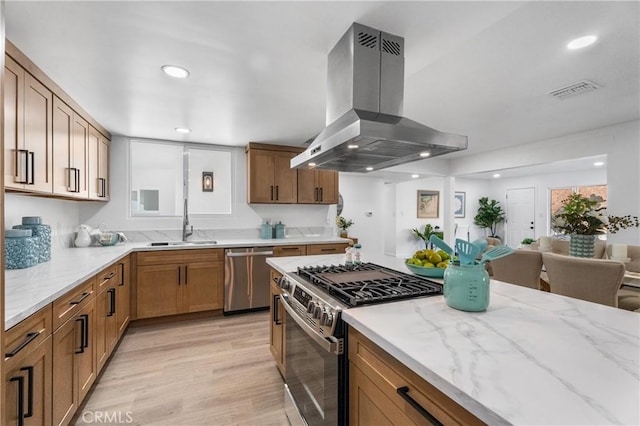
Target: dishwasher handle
[(249, 254)]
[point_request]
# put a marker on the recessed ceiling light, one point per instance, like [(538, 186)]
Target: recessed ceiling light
[(175, 71), (581, 42), (183, 130), (424, 154), (598, 163), (312, 164), (415, 176), (369, 169), (496, 175), (352, 146)]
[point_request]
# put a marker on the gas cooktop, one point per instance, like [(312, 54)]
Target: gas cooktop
[(367, 283)]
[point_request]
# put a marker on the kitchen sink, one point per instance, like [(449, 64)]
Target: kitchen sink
[(181, 243)]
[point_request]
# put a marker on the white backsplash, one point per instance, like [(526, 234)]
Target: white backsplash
[(224, 234)]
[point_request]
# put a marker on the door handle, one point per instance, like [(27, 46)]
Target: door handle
[(29, 371), (276, 314), (404, 394), (112, 301), (20, 381), (82, 326)]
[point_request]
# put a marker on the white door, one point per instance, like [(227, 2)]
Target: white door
[(520, 215)]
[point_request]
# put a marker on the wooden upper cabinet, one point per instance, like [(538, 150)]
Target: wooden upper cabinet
[(98, 173), (317, 187), (71, 152), (270, 176), (28, 144)]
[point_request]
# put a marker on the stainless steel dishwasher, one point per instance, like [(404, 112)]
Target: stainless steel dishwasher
[(246, 279)]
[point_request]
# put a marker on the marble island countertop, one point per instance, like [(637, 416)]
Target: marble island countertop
[(28, 290), (532, 358)]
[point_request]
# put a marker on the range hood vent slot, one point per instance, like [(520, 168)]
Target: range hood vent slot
[(574, 89), (368, 40), (391, 47)]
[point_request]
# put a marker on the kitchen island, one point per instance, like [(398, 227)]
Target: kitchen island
[(531, 358)]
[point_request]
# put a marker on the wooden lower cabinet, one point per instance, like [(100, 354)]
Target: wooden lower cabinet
[(383, 391), (74, 362), (123, 295), (281, 251), (174, 288), (106, 330), (28, 378), (337, 248), (276, 329)]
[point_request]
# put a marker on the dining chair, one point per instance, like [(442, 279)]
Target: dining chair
[(594, 280), (522, 267), (633, 253)]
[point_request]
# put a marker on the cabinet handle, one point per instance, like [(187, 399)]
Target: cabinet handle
[(29, 371), (29, 338), (20, 381), (121, 274), (328, 249), (404, 393), (289, 248), (32, 180), (276, 314), (84, 296), (186, 274), (86, 330), (271, 192), (78, 180), (108, 277), (19, 178), (112, 301), (321, 194), (102, 187), (277, 195), (179, 273), (315, 194), (82, 326)]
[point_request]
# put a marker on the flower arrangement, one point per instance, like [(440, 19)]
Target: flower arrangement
[(586, 216), (343, 224)]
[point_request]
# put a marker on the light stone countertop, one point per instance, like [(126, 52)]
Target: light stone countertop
[(30, 289), (532, 358)]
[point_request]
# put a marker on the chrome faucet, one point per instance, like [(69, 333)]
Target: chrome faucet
[(185, 222)]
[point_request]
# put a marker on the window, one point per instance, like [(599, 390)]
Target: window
[(558, 195), (163, 174)]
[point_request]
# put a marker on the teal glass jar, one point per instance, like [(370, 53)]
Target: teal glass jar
[(466, 287)]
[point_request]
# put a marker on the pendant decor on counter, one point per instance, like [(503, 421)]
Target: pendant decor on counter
[(582, 245)]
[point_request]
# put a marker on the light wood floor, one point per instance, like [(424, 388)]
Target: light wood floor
[(216, 371)]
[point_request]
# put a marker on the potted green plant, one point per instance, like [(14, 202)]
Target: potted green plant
[(526, 243), (426, 234), (583, 219), (489, 215), (344, 225)]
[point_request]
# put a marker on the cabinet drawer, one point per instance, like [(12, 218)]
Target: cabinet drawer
[(280, 251), (28, 333), (68, 305), (108, 276), (389, 375), (179, 256), (326, 248)]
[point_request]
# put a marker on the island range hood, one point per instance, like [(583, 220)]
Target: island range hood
[(365, 128)]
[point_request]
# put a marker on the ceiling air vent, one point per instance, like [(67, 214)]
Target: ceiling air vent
[(574, 89)]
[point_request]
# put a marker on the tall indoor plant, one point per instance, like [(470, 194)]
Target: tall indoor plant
[(583, 219), (489, 215)]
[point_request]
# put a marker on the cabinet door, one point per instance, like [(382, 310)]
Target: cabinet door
[(100, 338), (285, 178), (157, 290), (103, 167), (203, 286), (66, 342), (80, 154), (123, 293), (95, 185), (327, 182), (64, 179), (280, 251), (33, 371), (86, 358), (13, 122), (261, 170), (326, 248), (38, 107), (308, 192)]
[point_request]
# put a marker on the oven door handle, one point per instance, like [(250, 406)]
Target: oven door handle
[(330, 344)]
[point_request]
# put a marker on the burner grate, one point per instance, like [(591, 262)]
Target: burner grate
[(368, 283)]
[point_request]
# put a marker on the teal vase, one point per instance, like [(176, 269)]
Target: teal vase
[(466, 287), (582, 245)]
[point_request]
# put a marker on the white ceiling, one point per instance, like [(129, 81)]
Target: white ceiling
[(258, 69)]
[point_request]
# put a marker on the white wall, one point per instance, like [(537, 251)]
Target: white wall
[(474, 189), (63, 216), (115, 213)]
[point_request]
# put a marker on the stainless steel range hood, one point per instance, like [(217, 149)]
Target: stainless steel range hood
[(365, 128)]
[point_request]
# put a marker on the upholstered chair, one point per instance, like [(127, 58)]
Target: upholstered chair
[(594, 280), (633, 252), (522, 267)]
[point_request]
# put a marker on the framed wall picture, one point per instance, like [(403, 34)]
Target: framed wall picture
[(428, 204), (460, 202)]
